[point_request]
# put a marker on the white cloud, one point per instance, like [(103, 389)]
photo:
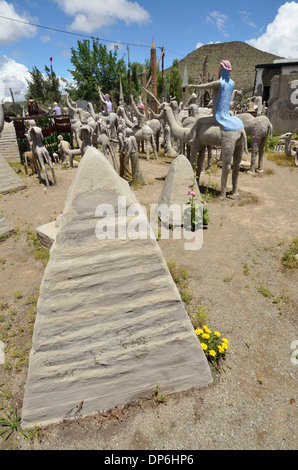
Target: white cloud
[(281, 35), (66, 53), (11, 31), (46, 38), (245, 16), (13, 75), (115, 45), (219, 20), (94, 14), (200, 44)]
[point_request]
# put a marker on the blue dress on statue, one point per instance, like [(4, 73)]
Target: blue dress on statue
[(222, 113)]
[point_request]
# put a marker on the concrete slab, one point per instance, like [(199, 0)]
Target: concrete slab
[(46, 234)]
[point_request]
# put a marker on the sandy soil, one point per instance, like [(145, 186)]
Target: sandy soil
[(237, 275)]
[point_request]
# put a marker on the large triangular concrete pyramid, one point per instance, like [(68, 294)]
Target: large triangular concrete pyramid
[(110, 322)]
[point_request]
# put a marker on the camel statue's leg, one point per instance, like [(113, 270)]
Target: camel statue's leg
[(209, 161), (200, 156), (154, 147), (157, 141), (42, 164), (52, 170), (254, 153), (37, 167), (261, 155), (236, 166), (147, 145), (227, 149)]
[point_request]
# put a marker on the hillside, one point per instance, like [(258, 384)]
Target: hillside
[(242, 56)]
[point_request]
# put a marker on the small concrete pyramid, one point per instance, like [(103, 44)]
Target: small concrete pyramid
[(5, 228), (110, 322), (9, 180), (175, 189)]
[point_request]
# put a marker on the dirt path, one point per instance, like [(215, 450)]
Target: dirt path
[(237, 275)]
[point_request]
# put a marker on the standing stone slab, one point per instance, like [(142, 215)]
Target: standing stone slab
[(175, 189), (5, 228), (110, 322), (9, 180)]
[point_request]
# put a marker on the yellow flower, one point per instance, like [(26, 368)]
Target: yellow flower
[(217, 333), (225, 340), (204, 346), (206, 329), (205, 336), (212, 352), (220, 349), (224, 345), (199, 331)]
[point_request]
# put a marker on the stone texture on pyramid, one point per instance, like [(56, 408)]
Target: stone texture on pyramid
[(110, 322), (9, 180), (175, 188), (9, 148)]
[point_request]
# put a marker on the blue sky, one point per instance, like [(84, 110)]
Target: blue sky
[(180, 26)]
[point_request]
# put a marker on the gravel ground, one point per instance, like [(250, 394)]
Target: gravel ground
[(252, 403)]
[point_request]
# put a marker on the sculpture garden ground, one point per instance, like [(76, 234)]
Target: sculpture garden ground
[(237, 283)]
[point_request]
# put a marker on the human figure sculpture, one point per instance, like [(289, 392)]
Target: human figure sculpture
[(57, 109), (75, 122), (63, 144), (232, 128), (33, 108), (111, 120), (40, 153), (222, 91), (132, 155), (105, 99)]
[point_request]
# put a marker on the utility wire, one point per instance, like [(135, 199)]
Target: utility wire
[(75, 34)]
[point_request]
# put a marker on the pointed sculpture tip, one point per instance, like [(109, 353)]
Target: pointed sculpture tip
[(153, 44)]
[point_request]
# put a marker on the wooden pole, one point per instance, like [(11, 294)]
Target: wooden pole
[(163, 98), (153, 76), (12, 97), (144, 92)]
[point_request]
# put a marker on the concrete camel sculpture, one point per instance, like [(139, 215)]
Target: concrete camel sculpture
[(40, 154), (202, 135)]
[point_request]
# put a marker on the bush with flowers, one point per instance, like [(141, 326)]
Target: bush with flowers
[(213, 344)]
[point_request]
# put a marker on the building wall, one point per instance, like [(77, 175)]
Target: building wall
[(282, 104)]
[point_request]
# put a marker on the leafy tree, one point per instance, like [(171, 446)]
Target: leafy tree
[(173, 81), (44, 88), (52, 84), (95, 66), (36, 85)]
